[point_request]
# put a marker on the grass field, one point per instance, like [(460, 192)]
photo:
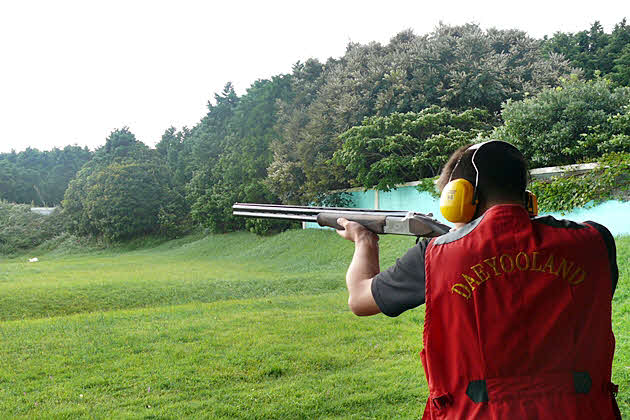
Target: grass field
[(226, 326)]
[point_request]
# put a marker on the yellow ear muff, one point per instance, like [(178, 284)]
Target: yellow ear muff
[(531, 203), (457, 201)]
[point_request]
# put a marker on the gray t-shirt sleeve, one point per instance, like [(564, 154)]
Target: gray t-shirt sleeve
[(401, 286)]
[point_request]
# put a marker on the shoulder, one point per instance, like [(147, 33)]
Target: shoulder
[(594, 230), (611, 249), (558, 223), (603, 230), (595, 227), (455, 235), (609, 240)]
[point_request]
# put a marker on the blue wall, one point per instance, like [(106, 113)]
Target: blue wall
[(615, 215), (363, 200)]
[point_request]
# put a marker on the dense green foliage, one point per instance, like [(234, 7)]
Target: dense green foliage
[(124, 191), (456, 67), (610, 180), (576, 121), (231, 153), (429, 185), (385, 151), (378, 115), (38, 177), (221, 327), (596, 52), (276, 141), (21, 229)]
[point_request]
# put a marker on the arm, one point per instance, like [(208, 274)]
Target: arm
[(362, 269)]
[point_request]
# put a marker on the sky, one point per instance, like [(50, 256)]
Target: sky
[(71, 72)]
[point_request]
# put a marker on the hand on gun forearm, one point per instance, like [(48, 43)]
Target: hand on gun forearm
[(355, 232)]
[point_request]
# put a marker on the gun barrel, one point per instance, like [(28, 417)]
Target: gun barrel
[(282, 209), (281, 216), (397, 222)]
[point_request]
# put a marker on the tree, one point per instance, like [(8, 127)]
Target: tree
[(612, 135), (455, 67), (176, 152), (595, 51), (286, 176), (385, 151), (62, 166), (124, 200), (7, 181), (231, 148), (123, 192), (559, 126), (621, 69), (38, 177), (122, 145)]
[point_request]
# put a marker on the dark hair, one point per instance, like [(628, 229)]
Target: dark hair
[(502, 170)]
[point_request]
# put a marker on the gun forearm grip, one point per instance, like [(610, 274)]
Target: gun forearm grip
[(371, 222)]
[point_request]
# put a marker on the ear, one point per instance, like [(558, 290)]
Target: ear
[(481, 204), (481, 197)]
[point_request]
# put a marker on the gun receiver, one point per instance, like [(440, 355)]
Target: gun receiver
[(395, 222)]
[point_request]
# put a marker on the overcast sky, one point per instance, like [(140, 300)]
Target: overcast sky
[(73, 71)]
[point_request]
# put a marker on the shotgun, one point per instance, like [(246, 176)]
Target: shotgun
[(397, 222)]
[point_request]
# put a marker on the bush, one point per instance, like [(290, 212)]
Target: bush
[(569, 124), (125, 191), (610, 180), (123, 200), (612, 135), (21, 229), (385, 151), (270, 226), (66, 243), (212, 207)]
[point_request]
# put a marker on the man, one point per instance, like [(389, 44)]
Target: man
[(518, 309)]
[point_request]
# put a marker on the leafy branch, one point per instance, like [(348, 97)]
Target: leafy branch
[(610, 180)]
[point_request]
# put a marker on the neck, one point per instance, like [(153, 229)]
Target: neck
[(484, 206)]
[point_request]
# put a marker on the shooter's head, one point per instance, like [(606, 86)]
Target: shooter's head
[(496, 169)]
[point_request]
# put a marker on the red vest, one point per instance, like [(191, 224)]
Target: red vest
[(518, 320)]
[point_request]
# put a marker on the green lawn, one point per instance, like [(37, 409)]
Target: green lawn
[(225, 326)]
